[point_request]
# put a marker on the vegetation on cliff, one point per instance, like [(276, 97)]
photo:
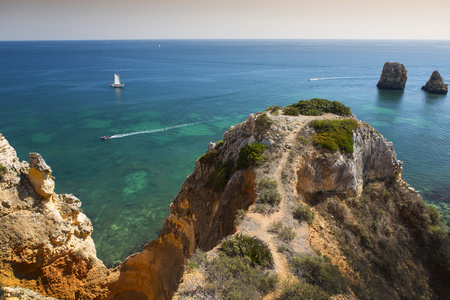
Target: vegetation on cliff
[(334, 135), (250, 155), (240, 271), (2, 171), (316, 107), (394, 241)]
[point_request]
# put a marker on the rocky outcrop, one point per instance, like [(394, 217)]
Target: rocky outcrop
[(45, 238), (435, 84), (393, 76), (373, 159)]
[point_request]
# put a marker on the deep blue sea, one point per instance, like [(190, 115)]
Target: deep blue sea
[(181, 94)]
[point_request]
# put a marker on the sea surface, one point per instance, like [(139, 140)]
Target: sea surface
[(181, 94)]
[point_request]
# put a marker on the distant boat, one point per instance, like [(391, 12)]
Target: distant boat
[(105, 137), (117, 83)]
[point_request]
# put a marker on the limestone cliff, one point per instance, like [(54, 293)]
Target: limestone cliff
[(393, 76), (272, 177), (45, 238), (435, 84)]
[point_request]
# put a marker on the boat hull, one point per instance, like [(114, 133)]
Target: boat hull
[(117, 85)]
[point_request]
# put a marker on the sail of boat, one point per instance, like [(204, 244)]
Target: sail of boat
[(117, 83), (116, 79)]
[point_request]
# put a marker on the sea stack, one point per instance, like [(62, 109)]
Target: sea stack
[(436, 84), (393, 76)]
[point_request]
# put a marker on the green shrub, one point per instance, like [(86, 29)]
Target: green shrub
[(252, 247), (263, 123), (316, 107), (2, 171), (250, 155), (319, 271), (301, 291), (271, 197), (291, 111), (209, 157), (287, 234), (262, 209), (334, 135), (304, 213), (235, 278), (220, 176), (275, 226), (274, 109), (267, 183)]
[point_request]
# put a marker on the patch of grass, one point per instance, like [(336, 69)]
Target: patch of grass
[(209, 157), (301, 291), (240, 215), (220, 176), (304, 213), (197, 260), (263, 209), (267, 183), (2, 171), (285, 233), (334, 135), (236, 278), (250, 155), (246, 246), (316, 107), (320, 272), (303, 140), (284, 248), (275, 226)]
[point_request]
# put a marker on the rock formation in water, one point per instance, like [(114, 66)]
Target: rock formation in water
[(45, 238), (364, 223), (393, 76), (435, 84)]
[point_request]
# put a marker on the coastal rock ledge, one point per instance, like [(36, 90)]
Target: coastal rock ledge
[(393, 76), (45, 238), (435, 84)]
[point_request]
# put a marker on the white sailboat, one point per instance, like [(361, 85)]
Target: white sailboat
[(117, 83)]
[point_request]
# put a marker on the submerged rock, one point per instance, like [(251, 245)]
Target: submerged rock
[(393, 76), (435, 84)]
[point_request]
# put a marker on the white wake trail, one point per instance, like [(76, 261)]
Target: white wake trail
[(121, 135), (331, 78)]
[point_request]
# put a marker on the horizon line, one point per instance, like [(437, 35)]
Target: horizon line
[(223, 39)]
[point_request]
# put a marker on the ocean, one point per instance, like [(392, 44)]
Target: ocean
[(181, 94)]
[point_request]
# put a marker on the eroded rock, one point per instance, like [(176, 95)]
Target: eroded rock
[(393, 76), (435, 84)]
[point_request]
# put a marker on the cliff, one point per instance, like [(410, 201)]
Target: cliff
[(45, 238), (393, 76), (290, 205), (435, 84)]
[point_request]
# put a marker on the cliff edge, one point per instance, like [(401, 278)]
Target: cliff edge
[(45, 238)]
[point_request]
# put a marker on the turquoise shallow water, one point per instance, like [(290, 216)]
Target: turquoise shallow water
[(56, 100)]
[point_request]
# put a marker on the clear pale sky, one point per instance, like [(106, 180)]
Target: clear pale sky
[(223, 19)]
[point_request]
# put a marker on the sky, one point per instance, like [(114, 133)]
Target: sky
[(223, 19)]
